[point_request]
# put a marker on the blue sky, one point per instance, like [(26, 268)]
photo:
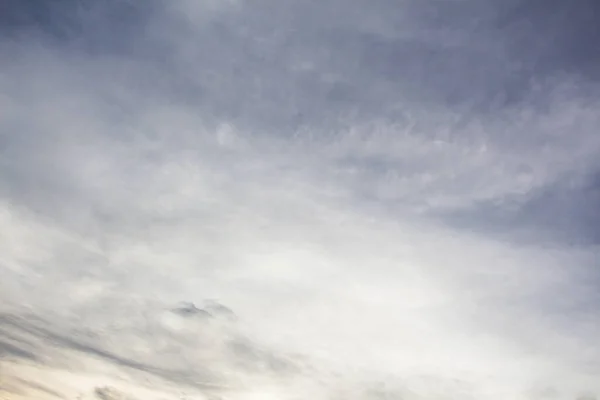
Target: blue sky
[(392, 191)]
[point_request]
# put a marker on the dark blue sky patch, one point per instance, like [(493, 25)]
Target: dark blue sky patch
[(89, 26), (565, 212)]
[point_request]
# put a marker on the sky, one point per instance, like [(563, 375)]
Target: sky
[(361, 199)]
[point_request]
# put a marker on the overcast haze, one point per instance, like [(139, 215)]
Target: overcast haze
[(297, 199)]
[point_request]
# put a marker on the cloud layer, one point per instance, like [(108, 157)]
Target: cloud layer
[(393, 197)]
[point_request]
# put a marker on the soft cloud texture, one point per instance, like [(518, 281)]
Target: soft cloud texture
[(396, 199)]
